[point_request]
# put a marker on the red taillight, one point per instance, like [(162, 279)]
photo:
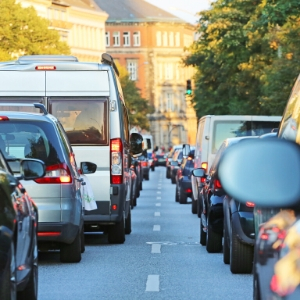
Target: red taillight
[(59, 173), (144, 164), (52, 233), (4, 118), (116, 152), (204, 165), (188, 190), (264, 236), (250, 204), (202, 179), (43, 68), (217, 184), (114, 207)]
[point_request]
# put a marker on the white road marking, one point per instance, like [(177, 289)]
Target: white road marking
[(159, 187), (152, 284), (157, 214), (158, 204), (158, 197), (155, 248), (156, 228), (158, 192)]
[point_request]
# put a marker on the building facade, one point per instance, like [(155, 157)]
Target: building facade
[(80, 23), (150, 43)]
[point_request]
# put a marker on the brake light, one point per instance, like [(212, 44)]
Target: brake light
[(116, 151), (202, 179), (188, 190), (144, 164), (59, 173), (204, 165), (217, 184), (250, 204), (54, 233), (47, 68), (4, 118), (264, 236)]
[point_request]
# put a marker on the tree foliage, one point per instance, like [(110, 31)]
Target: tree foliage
[(137, 107), (246, 56), (23, 32)]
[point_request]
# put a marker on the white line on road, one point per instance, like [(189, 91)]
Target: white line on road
[(159, 187), (158, 204), (152, 284), (158, 197), (157, 214), (155, 248), (156, 228), (158, 192)]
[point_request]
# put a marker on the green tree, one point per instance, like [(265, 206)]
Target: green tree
[(23, 32), (137, 107)]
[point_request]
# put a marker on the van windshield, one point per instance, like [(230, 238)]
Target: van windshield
[(84, 119), (230, 129)]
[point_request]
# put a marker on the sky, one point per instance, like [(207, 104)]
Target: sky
[(184, 9)]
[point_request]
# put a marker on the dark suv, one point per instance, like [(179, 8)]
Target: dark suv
[(57, 194)]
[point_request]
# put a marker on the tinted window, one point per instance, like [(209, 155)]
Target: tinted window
[(29, 139), (85, 120), (230, 129)]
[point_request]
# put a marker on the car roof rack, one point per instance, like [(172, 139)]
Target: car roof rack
[(108, 60), (48, 58), (36, 105)]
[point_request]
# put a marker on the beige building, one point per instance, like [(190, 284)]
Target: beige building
[(81, 23), (150, 43)]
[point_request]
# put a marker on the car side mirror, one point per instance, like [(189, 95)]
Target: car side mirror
[(200, 172), (87, 167), (186, 150), (32, 169), (136, 144), (263, 171)]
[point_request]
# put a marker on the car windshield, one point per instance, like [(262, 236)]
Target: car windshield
[(28, 139)]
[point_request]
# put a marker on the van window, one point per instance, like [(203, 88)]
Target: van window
[(85, 120), (230, 129)]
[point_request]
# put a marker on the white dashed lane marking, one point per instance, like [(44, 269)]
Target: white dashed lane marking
[(152, 284), (157, 214), (156, 228), (155, 248), (158, 204)]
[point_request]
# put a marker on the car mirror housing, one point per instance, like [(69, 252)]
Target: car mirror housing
[(32, 169), (200, 172), (87, 167), (136, 144), (263, 171)]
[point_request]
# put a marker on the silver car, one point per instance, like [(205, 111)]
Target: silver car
[(57, 194)]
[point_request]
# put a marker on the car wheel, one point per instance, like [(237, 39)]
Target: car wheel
[(31, 289), (176, 194), (8, 290), (173, 180), (226, 248), (199, 208), (116, 232), (202, 234), (194, 205), (71, 253), (168, 174), (241, 255), (152, 169), (82, 240), (182, 196), (128, 223), (147, 176), (141, 185), (138, 192), (213, 239)]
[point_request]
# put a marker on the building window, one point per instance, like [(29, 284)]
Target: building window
[(132, 69), (160, 71), (177, 39), (126, 39), (158, 38), (107, 39), (136, 39), (168, 71), (171, 39), (170, 103), (116, 38), (165, 39)]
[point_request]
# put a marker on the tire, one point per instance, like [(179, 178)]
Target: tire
[(31, 289), (194, 206), (138, 192), (82, 240), (173, 180), (176, 194), (241, 255), (199, 209), (128, 223), (116, 233), (8, 290), (182, 197), (71, 253), (213, 239), (141, 185), (152, 169), (202, 234), (226, 248), (147, 176), (168, 173)]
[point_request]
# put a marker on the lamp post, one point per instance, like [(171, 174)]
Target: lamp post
[(169, 134)]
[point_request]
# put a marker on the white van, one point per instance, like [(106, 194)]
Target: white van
[(88, 101), (213, 130)]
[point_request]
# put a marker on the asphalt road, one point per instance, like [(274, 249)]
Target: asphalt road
[(161, 258)]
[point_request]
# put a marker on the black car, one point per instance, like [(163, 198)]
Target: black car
[(144, 163), (175, 165), (161, 160), (183, 179), (18, 230)]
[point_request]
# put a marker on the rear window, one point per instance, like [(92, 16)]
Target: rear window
[(85, 120), (29, 139), (230, 129)]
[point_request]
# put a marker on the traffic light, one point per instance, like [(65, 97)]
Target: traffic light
[(188, 90)]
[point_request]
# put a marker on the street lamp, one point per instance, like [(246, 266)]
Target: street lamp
[(169, 134)]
